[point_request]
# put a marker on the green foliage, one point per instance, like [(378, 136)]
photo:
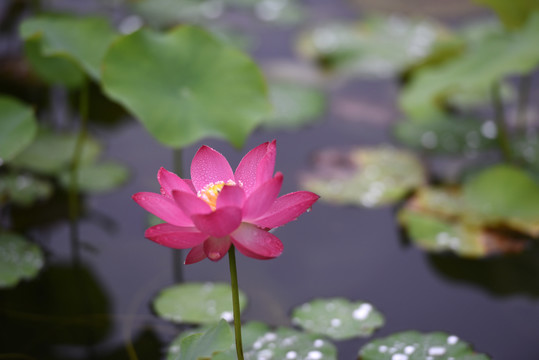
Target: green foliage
[(216, 339), (58, 69), (446, 135), (23, 189), (192, 87), (519, 198), (82, 40), (412, 345), (51, 153), (250, 332), (19, 259), (377, 46), (513, 13), (98, 177), (295, 106), (18, 127), (196, 303), (478, 219), (477, 69), (286, 343), (338, 318), (365, 176)]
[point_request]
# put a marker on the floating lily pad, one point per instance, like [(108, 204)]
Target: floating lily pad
[(18, 127), (196, 303), (365, 176), (295, 106), (444, 135), (51, 153), (80, 39), (338, 318), (503, 191), (436, 234), (19, 259), (23, 189), (250, 332), (412, 345), (217, 338), (442, 219), (513, 14), (477, 69), (377, 46), (98, 177), (287, 343), (163, 13), (194, 86)]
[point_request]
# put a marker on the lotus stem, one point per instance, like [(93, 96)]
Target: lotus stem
[(73, 192), (524, 88), (499, 118), (235, 300)]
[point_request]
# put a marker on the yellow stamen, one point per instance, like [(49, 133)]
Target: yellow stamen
[(211, 191)]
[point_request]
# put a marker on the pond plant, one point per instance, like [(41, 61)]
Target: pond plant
[(188, 83)]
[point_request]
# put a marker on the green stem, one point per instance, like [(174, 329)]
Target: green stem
[(177, 263), (235, 300), (524, 88), (73, 192), (499, 118)]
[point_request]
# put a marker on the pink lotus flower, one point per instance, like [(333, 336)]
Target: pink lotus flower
[(219, 207)]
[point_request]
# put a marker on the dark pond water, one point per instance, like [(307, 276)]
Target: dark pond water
[(330, 252)]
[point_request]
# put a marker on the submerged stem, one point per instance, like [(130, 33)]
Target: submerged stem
[(499, 118), (177, 263), (523, 99), (73, 192), (235, 300)]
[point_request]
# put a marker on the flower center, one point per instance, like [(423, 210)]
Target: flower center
[(211, 192)]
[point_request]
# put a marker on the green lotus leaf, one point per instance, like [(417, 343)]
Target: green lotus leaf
[(377, 46), (18, 127), (285, 343), (23, 189), (217, 338), (445, 135), (250, 332), (19, 259), (295, 106), (163, 13), (503, 191), (513, 14), (83, 40), (58, 69), (437, 234), (338, 318), (196, 303), (477, 69), (440, 219), (192, 86), (412, 345), (51, 153), (365, 176), (98, 177)]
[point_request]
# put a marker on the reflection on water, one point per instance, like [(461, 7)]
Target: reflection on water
[(500, 275)]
